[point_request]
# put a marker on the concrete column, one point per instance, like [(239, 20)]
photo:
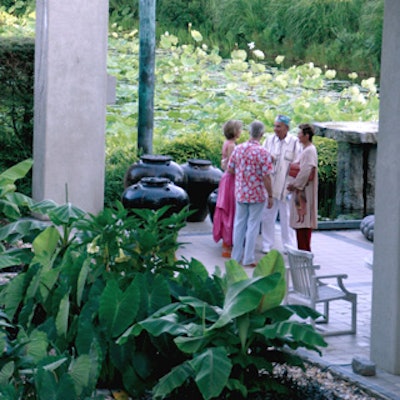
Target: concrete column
[(70, 102), (385, 322)]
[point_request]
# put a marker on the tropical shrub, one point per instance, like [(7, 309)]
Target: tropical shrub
[(87, 309), (230, 349), (202, 145)]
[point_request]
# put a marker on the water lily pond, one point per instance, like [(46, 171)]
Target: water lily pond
[(197, 91)]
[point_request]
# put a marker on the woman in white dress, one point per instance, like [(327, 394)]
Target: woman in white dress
[(304, 202)]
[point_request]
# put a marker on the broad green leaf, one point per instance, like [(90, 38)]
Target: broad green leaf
[(37, 346), (44, 246), (212, 369), (44, 207), (117, 309), (300, 333), (174, 379), (79, 370), (158, 295), (234, 272), (6, 373), (45, 384), (65, 388), (300, 310), (272, 263), (23, 228), (66, 214), (33, 286), (243, 325), (14, 294), (193, 344), (17, 171), (165, 324), (82, 280), (244, 296), (9, 209), (202, 308), (8, 261), (62, 316), (47, 282), (165, 315)]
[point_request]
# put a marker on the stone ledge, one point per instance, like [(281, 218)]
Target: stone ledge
[(335, 225), (348, 131)]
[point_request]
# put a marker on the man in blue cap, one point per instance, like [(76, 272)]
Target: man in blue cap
[(284, 148)]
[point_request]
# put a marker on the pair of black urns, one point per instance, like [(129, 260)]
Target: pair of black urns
[(156, 181)]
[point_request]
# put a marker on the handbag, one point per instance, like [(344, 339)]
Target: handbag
[(294, 169)]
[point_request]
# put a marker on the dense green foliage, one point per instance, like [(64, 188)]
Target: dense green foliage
[(16, 101), (344, 35), (101, 301)]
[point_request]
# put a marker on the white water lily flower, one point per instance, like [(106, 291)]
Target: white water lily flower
[(166, 33), (354, 91), (259, 54), (368, 82), (251, 45), (204, 47), (281, 80), (317, 72), (359, 99), (279, 59), (239, 55), (196, 35), (114, 35), (353, 75), (330, 74)]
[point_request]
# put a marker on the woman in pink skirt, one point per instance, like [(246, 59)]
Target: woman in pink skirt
[(225, 207)]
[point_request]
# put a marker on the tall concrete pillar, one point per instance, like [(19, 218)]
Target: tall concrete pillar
[(385, 322), (70, 102)]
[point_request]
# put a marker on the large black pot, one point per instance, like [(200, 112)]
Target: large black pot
[(154, 193), (201, 179), (154, 165)]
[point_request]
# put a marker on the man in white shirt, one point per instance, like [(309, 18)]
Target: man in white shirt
[(284, 149)]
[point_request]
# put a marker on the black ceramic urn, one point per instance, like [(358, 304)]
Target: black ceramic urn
[(201, 179), (154, 193), (154, 165)]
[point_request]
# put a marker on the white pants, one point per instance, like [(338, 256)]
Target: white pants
[(268, 225), (245, 231)]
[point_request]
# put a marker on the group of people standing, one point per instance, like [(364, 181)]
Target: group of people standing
[(262, 180)]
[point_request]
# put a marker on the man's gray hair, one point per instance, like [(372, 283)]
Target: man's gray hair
[(256, 129)]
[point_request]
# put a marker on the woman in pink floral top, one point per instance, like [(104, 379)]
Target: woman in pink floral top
[(251, 164)]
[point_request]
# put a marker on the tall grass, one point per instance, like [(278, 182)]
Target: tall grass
[(343, 34)]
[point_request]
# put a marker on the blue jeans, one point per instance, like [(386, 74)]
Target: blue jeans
[(245, 230)]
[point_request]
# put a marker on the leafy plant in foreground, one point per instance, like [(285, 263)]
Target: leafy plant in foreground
[(86, 280), (231, 349)]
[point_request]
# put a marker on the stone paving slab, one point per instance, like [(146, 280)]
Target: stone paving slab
[(338, 251)]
